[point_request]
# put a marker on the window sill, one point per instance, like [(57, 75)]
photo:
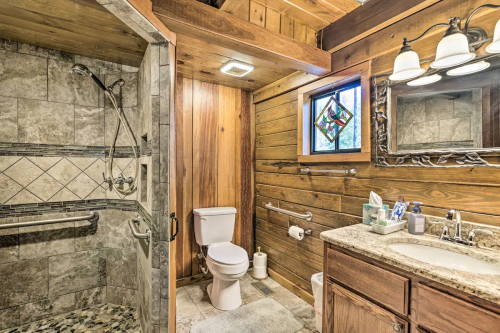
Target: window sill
[(350, 157)]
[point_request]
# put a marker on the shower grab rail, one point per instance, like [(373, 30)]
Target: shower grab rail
[(351, 171), (93, 217), (136, 233), (307, 216)]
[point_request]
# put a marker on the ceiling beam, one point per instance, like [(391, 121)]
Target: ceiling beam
[(373, 16), (194, 19)]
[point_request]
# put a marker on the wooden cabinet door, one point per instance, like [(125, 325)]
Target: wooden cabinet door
[(346, 312)]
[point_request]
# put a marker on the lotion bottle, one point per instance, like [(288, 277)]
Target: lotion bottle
[(416, 220)]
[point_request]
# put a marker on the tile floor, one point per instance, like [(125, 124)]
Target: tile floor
[(105, 318), (194, 304)]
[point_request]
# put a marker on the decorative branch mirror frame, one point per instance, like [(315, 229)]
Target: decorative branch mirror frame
[(444, 159)]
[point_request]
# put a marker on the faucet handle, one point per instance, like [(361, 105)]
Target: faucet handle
[(472, 234), (445, 232), (449, 215)]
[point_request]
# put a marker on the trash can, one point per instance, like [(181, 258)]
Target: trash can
[(317, 286)]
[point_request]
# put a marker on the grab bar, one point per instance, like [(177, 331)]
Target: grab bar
[(351, 171), (307, 216), (93, 217), (135, 232)]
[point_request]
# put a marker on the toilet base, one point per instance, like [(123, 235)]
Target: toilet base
[(225, 295)]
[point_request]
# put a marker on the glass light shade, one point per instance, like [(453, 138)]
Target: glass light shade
[(406, 66), (469, 68), (452, 50), (494, 47), (422, 81)]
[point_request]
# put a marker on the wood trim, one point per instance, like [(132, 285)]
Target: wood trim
[(198, 20), (283, 85), (146, 11), (173, 195), (186, 281), (365, 20), (291, 286), (362, 72)]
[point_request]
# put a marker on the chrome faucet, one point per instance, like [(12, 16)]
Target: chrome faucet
[(458, 225), (457, 238)]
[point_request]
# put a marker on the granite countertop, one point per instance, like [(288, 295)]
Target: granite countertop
[(360, 239)]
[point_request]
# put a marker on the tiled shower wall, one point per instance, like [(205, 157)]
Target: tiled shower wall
[(55, 128), (154, 106)]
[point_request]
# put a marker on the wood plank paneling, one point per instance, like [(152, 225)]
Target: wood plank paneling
[(200, 21), (273, 20), (257, 14), (205, 116), (287, 26), (280, 153), (77, 26), (214, 155), (336, 200), (226, 169), (277, 126)]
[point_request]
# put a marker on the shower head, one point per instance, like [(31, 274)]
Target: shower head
[(81, 70), (84, 71)]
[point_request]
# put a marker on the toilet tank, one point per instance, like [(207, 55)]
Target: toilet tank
[(214, 225)]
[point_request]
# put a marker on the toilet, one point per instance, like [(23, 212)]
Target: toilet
[(228, 263)]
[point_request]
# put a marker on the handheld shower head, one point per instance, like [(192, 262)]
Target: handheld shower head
[(84, 71), (81, 70)]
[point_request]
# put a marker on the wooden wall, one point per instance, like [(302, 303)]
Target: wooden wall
[(336, 201), (266, 17), (214, 164)]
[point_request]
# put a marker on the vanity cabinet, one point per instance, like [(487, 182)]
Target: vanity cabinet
[(362, 295), (356, 314)]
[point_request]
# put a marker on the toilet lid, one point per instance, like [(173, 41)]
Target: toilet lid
[(227, 253)]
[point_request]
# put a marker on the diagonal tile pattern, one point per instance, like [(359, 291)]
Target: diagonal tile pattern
[(23, 172), (52, 179)]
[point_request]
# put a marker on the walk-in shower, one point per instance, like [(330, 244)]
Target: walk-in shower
[(115, 182)]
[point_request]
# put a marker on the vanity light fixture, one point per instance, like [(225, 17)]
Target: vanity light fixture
[(455, 48), (407, 64), (236, 68), (469, 68), (422, 81), (494, 47)]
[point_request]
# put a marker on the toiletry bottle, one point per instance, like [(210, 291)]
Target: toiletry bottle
[(416, 220)]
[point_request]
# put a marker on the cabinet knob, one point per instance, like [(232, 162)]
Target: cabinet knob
[(397, 327)]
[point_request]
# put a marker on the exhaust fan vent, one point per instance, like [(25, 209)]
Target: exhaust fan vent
[(237, 68)]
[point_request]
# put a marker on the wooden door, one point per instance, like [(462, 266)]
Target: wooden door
[(346, 312)]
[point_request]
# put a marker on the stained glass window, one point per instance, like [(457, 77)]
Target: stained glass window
[(336, 119)]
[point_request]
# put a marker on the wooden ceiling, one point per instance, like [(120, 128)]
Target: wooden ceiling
[(202, 61), (85, 27), (299, 19), (77, 26)]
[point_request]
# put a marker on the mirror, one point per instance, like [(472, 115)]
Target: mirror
[(455, 113), (453, 122)]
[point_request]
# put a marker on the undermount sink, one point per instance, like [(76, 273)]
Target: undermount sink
[(444, 258)]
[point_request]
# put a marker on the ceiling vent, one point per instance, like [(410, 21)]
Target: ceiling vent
[(236, 68)]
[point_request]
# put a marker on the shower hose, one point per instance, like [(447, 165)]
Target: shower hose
[(120, 119)]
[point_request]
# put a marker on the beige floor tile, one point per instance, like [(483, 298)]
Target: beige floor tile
[(186, 307), (184, 325)]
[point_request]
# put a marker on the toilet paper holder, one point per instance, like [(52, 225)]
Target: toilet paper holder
[(307, 232)]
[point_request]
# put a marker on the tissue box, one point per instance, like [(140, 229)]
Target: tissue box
[(370, 213)]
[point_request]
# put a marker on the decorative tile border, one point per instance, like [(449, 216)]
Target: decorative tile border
[(33, 149), (66, 206)]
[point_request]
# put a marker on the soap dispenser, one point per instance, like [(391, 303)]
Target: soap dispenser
[(416, 220)]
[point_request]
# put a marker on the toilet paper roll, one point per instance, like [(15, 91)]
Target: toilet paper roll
[(259, 260), (259, 273), (296, 232)]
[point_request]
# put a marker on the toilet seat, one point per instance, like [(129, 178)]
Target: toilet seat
[(226, 253)]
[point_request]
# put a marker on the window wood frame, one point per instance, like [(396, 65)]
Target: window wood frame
[(360, 72)]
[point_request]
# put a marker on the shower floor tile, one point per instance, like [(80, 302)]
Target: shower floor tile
[(103, 318)]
